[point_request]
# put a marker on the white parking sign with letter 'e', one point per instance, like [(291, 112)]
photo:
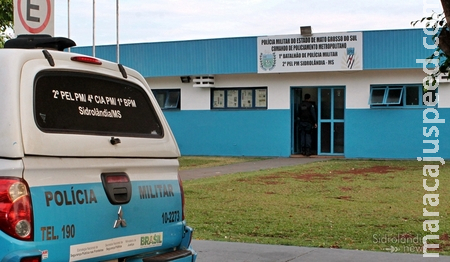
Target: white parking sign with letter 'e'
[(34, 17)]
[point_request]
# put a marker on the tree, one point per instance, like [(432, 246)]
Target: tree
[(6, 19), (438, 22), (446, 8), (444, 36)]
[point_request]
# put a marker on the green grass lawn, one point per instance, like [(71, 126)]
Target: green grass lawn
[(349, 204)]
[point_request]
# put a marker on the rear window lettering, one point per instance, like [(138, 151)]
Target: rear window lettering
[(82, 103)]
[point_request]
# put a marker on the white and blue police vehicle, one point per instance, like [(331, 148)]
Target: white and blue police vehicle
[(88, 163)]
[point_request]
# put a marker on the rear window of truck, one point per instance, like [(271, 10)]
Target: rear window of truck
[(83, 103)]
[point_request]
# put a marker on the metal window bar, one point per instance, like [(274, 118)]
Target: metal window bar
[(377, 96), (393, 96)]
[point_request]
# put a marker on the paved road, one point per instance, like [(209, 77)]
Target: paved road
[(217, 251)]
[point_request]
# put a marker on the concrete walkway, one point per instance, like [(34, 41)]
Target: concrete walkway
[(247, 167), (218, 251)]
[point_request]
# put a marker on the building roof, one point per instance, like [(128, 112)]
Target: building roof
[(382, 49)]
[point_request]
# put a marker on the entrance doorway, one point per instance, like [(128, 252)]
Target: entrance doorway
[(331, 120), (328, 138)]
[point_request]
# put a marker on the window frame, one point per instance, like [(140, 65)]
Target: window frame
[(405, 90), (237, 98), (167, 98)]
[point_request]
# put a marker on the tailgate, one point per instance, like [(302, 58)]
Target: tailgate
[(74, 217)]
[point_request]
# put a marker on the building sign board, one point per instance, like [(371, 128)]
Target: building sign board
[(315, 53), (34, 17)]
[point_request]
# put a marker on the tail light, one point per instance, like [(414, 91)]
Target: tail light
[(182, 196), (86, 59), (31, 259), (16, 216)]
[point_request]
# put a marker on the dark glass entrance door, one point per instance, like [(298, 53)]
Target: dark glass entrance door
[(331, 120)]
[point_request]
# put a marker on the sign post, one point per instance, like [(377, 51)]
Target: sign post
[(34, 17)]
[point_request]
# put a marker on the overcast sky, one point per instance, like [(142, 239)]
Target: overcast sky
[(172, 20)]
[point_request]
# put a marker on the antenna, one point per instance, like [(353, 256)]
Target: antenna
[(117, 32), (68, 21), (93, 28)]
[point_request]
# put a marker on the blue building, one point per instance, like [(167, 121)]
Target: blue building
[(237, 96)]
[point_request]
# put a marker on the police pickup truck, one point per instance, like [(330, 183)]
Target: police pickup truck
[(88, 163)]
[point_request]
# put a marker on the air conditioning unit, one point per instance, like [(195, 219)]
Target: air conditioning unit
[(204, 81)]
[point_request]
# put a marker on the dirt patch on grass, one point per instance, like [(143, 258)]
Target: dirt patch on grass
[(312, 176), (444, 244), (268, 180), (271, 180), (368, 170), (365, 171), (269, 177)]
